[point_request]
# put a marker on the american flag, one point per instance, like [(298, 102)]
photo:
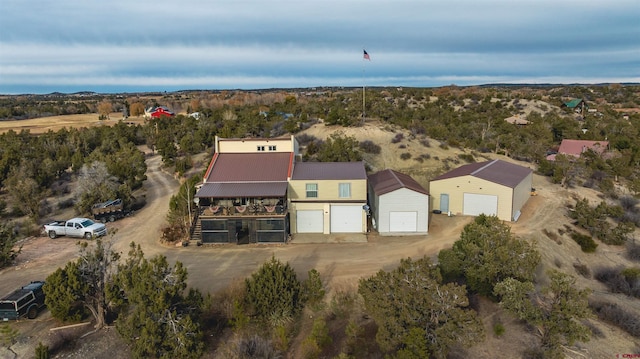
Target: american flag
[(366, 56)]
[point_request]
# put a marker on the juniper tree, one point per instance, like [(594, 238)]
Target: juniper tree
[(487, 253), (157, 315), (555, 311), (83, 285), (412, 297)]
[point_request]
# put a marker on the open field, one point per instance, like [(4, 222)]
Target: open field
[(55, 123)]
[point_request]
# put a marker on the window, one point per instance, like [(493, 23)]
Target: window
[(312, 190), (260, 148), (272, 148), (344, 190)]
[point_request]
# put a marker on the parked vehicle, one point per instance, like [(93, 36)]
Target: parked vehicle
[(26, 301), (75, 227), (109, 211)]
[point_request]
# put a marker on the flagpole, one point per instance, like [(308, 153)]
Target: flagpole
[(363, 92)]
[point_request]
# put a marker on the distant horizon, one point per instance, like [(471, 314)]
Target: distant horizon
[(324, 87), (143, 46)]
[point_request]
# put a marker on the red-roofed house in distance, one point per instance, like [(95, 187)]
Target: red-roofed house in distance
[(243, 197), (576, 148), (157, 112), (399, 204), (495, 187)]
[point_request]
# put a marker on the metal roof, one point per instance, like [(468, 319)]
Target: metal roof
[(577, 147), (250, 167), (497, 171), (243, 189), (389, 180), (329, 171)]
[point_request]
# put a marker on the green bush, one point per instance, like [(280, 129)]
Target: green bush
[(498, 329), (587, 244), (274, 290)]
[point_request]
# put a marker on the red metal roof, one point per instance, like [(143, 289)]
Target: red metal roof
[(243, 189), (250, 167), (389, 180), (497, 171), (328, 171), (577, 147)]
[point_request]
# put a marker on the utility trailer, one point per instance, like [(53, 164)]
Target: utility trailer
[(109, 211)]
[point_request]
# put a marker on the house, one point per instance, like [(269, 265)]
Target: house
[(575, 148), (328, 197), (157, 112), (517, 120), (494, 188), (577, 105), (243, 196), (399, 205)]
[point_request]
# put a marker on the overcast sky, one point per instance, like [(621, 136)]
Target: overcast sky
[(162, 45)]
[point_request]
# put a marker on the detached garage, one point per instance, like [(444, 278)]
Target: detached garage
[(399, 204), (493, 188)]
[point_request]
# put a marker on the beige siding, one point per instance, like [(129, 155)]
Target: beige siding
[(325, 207), (327, 190), (456, 188), (251, 145), (328, 195)]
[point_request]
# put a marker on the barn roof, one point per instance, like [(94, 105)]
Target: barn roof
[(250, 167), (497, 171), (388, 180), (329, 171)]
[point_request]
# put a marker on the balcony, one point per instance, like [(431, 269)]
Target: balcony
[(257, 207)]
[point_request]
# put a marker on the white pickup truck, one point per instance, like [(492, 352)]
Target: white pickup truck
[(75, 227)]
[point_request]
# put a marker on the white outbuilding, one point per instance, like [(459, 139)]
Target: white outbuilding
[(399, 205)]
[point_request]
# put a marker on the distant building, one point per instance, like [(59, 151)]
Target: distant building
[(576, 148), (157, 112)]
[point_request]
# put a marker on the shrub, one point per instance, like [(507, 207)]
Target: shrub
[(444, 145), (405, 156), (551, 235), (425, 142), (397, 138), (370, 147), (621, 318), (467, 157), (582, 269), (620, 280), (629, 204), (498, 329), (633, 251), (274, 290), (304, 139), (587, 244)]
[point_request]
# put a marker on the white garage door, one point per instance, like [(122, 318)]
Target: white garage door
[(403, 221), (346, 219), (310, 221), (476, 204)]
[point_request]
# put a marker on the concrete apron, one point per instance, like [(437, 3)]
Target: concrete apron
[(306, 238)]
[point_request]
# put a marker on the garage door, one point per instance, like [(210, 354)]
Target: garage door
[(310, 221), (346, 219), (476, 204), (403, 221)]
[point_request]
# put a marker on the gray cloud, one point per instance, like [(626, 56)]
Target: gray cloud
[(73, 45)]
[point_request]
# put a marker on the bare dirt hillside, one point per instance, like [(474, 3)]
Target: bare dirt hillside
[(212, 269)]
